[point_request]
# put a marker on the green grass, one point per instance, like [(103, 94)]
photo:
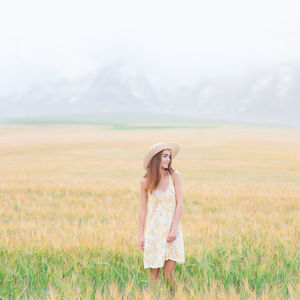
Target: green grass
[(133, 127), (30, 272), (103, 118), (123, 120)]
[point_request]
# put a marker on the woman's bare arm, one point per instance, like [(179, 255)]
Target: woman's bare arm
[(179, 201), (143, 206)]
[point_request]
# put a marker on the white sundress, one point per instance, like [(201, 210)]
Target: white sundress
[(160, 212)]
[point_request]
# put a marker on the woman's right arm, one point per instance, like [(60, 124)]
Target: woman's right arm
[(143, 212)]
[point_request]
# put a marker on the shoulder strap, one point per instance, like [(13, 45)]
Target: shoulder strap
[(172, 180)]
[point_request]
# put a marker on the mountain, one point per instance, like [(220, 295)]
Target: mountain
[(258, 95), (115, 87)]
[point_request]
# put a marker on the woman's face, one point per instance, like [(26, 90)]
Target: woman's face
[(165, 158)]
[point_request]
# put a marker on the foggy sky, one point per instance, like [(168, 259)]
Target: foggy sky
[(171, 42)]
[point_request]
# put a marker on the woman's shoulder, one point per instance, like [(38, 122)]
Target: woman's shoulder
[(175, 175), (143, 181)]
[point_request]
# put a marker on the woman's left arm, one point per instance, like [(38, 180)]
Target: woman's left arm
[(179, 203)]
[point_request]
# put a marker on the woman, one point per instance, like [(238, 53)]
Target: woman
[(161, 237)]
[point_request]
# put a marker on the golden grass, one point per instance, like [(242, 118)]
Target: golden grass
[(67, 186)]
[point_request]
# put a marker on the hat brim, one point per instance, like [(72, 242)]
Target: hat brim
[(154, 149)]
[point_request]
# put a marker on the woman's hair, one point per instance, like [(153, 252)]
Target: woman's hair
[(153, 171)]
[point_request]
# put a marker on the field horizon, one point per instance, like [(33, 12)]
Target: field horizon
[(130, 118)]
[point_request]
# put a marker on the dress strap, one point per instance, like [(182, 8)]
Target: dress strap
[(170, 178)]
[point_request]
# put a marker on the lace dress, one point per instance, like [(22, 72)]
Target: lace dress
[(160, 213)]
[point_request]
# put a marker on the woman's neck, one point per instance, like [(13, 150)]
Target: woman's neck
[(164, 172)]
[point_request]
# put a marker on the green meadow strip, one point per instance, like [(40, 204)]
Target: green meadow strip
[(30, 273), (152, 126)]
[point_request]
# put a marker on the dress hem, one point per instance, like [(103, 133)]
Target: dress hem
[(177, 261)]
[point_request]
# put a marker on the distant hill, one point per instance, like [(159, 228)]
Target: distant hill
[(259, 96)]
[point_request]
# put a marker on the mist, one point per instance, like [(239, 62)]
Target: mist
[(219, 60)]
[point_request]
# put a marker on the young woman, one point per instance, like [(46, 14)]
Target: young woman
[(161, 237)]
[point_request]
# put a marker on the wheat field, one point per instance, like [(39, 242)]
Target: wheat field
[(69, 204)]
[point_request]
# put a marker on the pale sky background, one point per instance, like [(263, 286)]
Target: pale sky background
[(172, 42)]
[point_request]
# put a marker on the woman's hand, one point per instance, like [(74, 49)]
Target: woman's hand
[(171, 236), (142, 243)]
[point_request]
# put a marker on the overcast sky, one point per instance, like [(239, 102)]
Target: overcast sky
[(172, 42)]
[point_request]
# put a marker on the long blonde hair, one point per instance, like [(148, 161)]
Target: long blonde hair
[(153, 175)]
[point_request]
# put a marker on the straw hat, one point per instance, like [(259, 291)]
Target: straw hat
[(155, 148)]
